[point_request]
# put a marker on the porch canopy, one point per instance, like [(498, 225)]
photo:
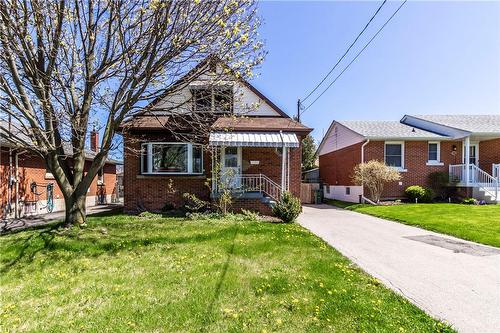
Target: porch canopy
[(254, 139)]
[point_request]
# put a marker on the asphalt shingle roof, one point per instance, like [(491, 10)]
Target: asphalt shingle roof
[(470, 123), (386, 129), (260, 124)]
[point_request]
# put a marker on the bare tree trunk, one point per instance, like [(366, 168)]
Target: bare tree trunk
[(75, 209)]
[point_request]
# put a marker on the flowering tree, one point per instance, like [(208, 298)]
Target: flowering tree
[(374, 175), (65, 63)]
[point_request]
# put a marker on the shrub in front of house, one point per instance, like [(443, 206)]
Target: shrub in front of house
[(374, 175), (438, 182), (416, 193), (288, 208)]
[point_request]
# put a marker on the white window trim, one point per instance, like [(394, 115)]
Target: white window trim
[(149, 153), (436, 162), (402, 143), (100, 179)]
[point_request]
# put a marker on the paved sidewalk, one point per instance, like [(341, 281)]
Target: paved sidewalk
[(38, 220), (449, 278)]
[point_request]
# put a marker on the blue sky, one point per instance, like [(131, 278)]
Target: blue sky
[(432, 58)]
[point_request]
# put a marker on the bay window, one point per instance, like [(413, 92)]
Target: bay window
[(171, 158), (394, 154)]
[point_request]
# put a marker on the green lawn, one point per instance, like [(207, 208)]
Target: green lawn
[(475, 223), (131, 274)]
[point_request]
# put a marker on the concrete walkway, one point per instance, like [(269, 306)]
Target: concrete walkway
[(451, 279), (11, 225)]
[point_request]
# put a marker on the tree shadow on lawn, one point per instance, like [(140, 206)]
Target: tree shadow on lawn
[(208, 317), (56, 243)]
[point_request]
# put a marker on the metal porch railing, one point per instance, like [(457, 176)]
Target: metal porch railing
[(245, 183)]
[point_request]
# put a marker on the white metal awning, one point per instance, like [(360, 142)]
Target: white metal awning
[(252, 139)]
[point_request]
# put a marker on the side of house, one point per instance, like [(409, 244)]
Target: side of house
[(416, 150), (234, 141)]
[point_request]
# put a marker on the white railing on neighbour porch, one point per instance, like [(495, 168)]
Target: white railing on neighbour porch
[(477, 178), (457, 173), (253, 183), (496, 171)]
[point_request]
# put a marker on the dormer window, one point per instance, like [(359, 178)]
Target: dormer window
[(213, 99)]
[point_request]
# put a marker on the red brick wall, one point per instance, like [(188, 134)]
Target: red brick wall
[(270, 165), (255, 205), (153, 192), (150, 191), (32, 169), (489, 153), (336, 167), (415, 159)]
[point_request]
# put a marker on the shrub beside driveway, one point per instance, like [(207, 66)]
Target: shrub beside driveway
[(155, 274)]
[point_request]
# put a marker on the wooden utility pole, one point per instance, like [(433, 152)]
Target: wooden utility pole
[(298, 110)]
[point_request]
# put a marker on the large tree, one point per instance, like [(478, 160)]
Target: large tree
[(64, 64)]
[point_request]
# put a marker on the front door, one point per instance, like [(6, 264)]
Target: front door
[(231, 167), (473, 154), (473, 160)]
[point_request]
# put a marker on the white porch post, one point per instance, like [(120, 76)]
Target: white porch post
[(467, 159), (283, 168)]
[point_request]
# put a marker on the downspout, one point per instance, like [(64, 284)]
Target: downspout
[(363, 150), (363, 161)]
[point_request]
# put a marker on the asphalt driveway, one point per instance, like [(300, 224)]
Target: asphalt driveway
[(449, 278)]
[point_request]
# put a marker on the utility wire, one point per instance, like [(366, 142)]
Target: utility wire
[(356, 57), (345, 53)]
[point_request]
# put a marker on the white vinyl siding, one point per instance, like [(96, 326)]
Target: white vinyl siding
[(339, 137)]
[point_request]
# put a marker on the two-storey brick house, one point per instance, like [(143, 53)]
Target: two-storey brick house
[(467, 147), (203, 139)]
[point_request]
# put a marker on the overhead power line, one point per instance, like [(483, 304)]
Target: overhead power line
[(356, 57), (345, 53)]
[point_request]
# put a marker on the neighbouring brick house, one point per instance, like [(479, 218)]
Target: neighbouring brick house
[(248, 147), (21, 170), (466, 147)]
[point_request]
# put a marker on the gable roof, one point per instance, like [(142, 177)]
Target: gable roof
[(379, 129), (474, 124), (198, 70)]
